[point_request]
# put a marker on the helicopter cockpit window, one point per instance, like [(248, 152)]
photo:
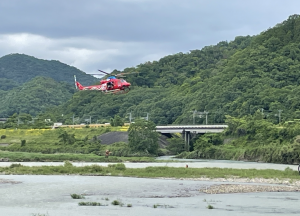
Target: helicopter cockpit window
[(122, 80)]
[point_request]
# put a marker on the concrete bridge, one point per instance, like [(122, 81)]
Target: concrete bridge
[(188, 130)]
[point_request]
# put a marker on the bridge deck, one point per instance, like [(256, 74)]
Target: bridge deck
[(191, 128)]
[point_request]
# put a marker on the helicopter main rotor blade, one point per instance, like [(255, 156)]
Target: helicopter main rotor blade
[(104, 72), (121, 74)]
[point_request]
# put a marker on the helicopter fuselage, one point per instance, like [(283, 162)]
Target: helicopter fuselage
[(108, 85)]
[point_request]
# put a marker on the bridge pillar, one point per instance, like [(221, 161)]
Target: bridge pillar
[(187, 137)]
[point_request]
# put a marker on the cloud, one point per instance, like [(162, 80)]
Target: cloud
[(87, 54), (115, 34)]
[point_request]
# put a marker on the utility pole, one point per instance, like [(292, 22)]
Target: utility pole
[(194, 114), (279, 115), (130, 117), (206, 116), (73, 120), (147, 118), (200, 115), (205, 113)]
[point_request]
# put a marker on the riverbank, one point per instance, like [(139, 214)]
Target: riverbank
[(169, 162), (120, 169), (6, 156)]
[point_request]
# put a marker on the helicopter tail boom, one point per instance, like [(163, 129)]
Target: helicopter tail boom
[(79, 86)]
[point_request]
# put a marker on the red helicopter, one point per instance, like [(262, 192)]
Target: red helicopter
[(109, 85)]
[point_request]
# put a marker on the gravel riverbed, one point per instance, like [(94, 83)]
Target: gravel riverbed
[(258, 185), (7, 181)]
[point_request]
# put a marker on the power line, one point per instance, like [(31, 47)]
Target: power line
[(195, 112)]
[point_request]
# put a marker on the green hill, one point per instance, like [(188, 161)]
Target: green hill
[(237, 78), (21, 68), (22, 91), (37, 95)]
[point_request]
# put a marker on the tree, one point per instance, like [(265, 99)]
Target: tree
[(143, 137), (116, 121), (23, 143), (66, 138), (25, 118), (176, 145)]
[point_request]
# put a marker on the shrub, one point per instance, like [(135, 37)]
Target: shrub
[(96, 168), (77, 196), (23, 143), (89, 204), (115, 202), (210, 207), (120, 166), (15, 165), (68, 164)]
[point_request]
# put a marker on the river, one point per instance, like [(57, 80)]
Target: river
[(23, 195), (50, 195), (192, 163)]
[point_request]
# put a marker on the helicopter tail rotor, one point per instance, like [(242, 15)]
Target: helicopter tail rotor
[(75, 81)]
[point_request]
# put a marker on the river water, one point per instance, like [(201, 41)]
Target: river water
[(192, 163), (50, 195)]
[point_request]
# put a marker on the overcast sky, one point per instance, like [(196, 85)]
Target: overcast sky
[(115, 34)]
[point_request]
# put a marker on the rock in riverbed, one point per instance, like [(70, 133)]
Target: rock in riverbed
[(8, 181)]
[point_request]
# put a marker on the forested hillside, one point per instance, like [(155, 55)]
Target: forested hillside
[(21, 68), (22, 92), (34, 96), (235, 78)]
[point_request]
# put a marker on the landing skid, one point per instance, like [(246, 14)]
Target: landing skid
[(115, 91)]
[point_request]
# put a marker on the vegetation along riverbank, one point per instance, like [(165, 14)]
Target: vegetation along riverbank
[(250, 138), (119, 169)]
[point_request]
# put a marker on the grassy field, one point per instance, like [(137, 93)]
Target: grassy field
[(50, 136), (74, 144), (63, 140), (149, 172)]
